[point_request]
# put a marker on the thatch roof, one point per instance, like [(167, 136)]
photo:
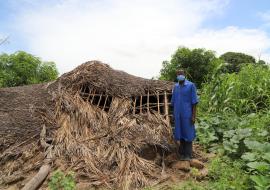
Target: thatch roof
[(22, 108), (20, 118), (112, 82)]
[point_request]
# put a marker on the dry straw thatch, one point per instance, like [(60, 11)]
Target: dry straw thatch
[(99, 122), (105, 146)]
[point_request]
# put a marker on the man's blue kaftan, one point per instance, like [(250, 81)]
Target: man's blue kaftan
[(183, 98)]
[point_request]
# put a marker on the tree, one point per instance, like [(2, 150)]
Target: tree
[(198, 63), (22, 68), (236, 60)]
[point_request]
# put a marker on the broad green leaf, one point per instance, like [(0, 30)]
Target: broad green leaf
[(266, 156), (253, 145), (263, 133), (244, 133), (229, 133), (260, 166), (249, 156), (231, 147), (261, 181), (265, 147)]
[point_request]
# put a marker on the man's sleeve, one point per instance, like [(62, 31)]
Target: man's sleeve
[(194, 97)]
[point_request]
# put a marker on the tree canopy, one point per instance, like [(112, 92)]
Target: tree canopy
[(235, 60), (22, 68), (198, 63)]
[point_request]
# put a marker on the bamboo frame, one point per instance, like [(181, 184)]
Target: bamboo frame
[(146, 106)]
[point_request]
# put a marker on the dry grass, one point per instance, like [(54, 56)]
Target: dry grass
[(105, 146)]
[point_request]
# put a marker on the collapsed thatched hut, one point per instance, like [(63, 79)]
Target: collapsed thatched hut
[(95, 121)]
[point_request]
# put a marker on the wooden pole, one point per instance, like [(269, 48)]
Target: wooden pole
[(100, 97), (141, 104), (90, 90), (158, 102), (148, 101), (134, 107), (105, 102), (166, 108), (93, 96)]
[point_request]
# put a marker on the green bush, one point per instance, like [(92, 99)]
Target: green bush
[(22, 68)]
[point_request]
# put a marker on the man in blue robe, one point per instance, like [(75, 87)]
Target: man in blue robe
[(184, 101)]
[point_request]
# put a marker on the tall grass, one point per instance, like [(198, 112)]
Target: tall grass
[(245, 92)]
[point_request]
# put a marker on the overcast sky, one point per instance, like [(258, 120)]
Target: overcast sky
[(132, 35)]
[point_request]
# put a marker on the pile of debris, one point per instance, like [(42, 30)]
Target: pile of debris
[(111, 128)]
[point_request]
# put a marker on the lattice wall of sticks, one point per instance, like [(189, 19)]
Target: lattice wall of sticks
[(158, 102)]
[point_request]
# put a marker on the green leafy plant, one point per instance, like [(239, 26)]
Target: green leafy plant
[(225, 173), (233, 141), (261, 182), (61, 181)]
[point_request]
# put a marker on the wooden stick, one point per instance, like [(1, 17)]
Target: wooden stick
[(83, 93), (166, 109), (148, 101), (151, 104), (100, 97), (134, 107), (141, 105), (105, 102), (90, 90), (158, 102), (93, 96)]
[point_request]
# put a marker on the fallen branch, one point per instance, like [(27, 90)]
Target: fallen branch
[(43, 172), (37, 180)]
